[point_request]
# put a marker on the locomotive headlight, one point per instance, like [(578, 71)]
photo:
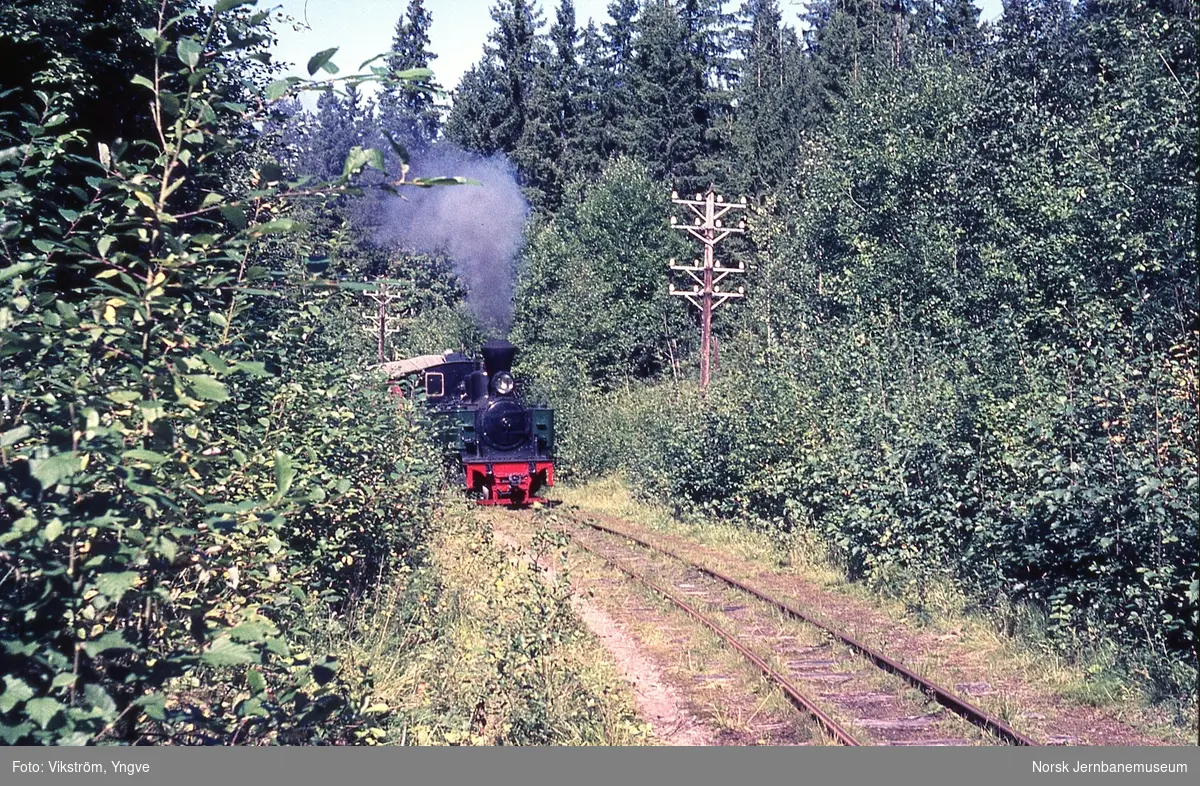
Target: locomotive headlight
[(504, 383)]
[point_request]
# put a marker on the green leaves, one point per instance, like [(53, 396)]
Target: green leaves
[(228, 5), (13, 436), (234, 215), (101, 701), (252, 631), (400, 150), (226, 652), (414, 74), (53, 530), (360, 157), (620, 310), (277, 227), (254, 679), (147, 456), (55, 469), (115, 585), (285, 473), (154, 705), (43, 710), (10, 155), (161, 44), (253, 368), (113, 641), (15, 692), (321, 61), (280, 87), (430, 182), (271, 171), (189, 51), (166, 427), (12, 271), (206, 387)]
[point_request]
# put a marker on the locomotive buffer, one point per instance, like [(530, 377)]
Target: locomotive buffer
[(708, 226)]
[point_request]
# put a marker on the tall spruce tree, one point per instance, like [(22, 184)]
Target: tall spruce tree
[(545, 152), (480, 109), (951, 26), (491, 103), (667, 129), (616, 112), (564, 37), (590, 143), (771, 95), (1041, 54), (339, 125), (407, 112), (710, 35), (851, 42), (618, 33)]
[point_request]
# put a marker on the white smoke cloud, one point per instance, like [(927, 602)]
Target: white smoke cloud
[(478, 226)]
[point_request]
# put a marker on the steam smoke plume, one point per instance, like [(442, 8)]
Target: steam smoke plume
[(478, 227)]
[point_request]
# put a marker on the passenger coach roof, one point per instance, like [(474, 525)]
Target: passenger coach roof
[(411, 365)]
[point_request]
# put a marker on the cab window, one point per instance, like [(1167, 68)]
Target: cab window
[(435, 384)]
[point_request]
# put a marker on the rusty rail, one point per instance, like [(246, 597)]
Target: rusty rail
[(942, 696), (791, 691)]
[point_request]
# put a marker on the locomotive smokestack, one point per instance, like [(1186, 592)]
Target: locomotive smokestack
[(498, 356)]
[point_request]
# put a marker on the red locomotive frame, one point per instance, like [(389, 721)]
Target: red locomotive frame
[(508, 482)]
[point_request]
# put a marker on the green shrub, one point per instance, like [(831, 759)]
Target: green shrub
[(188, 466)]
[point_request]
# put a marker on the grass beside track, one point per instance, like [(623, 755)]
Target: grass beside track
[(476, 648)]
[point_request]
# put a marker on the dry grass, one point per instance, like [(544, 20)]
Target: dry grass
[(797, 553), (476, 649)]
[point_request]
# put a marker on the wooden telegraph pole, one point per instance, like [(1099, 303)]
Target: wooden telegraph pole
[(377, 323), (706, 294)]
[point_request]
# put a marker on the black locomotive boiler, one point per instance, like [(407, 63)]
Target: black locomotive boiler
[(503, 448)]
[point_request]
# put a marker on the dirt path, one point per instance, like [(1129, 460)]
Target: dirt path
[(658, 701)]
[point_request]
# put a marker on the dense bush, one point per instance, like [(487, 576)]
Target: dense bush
[(968, 350), (1034, 499), (590, 305), (190, 468)]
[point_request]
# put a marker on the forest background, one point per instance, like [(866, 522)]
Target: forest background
[(966, 355)]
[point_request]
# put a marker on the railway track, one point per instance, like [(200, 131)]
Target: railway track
[(851, 692)]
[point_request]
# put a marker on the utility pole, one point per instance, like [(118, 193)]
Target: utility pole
[(706, 294), (377, 322)]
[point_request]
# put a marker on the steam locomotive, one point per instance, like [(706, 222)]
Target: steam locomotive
[(503, 449)]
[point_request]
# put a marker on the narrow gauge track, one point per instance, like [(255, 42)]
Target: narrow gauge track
[(794, 695), (959, 706)]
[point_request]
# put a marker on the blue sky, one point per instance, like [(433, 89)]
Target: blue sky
[(363, 28)]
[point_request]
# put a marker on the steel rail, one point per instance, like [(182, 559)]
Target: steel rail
[(944, 697), (794, 695)]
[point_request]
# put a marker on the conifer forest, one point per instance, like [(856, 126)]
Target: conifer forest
[(966, 354)]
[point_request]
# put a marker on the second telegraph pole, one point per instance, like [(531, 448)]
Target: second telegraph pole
[(708, 226), (378, 323)]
